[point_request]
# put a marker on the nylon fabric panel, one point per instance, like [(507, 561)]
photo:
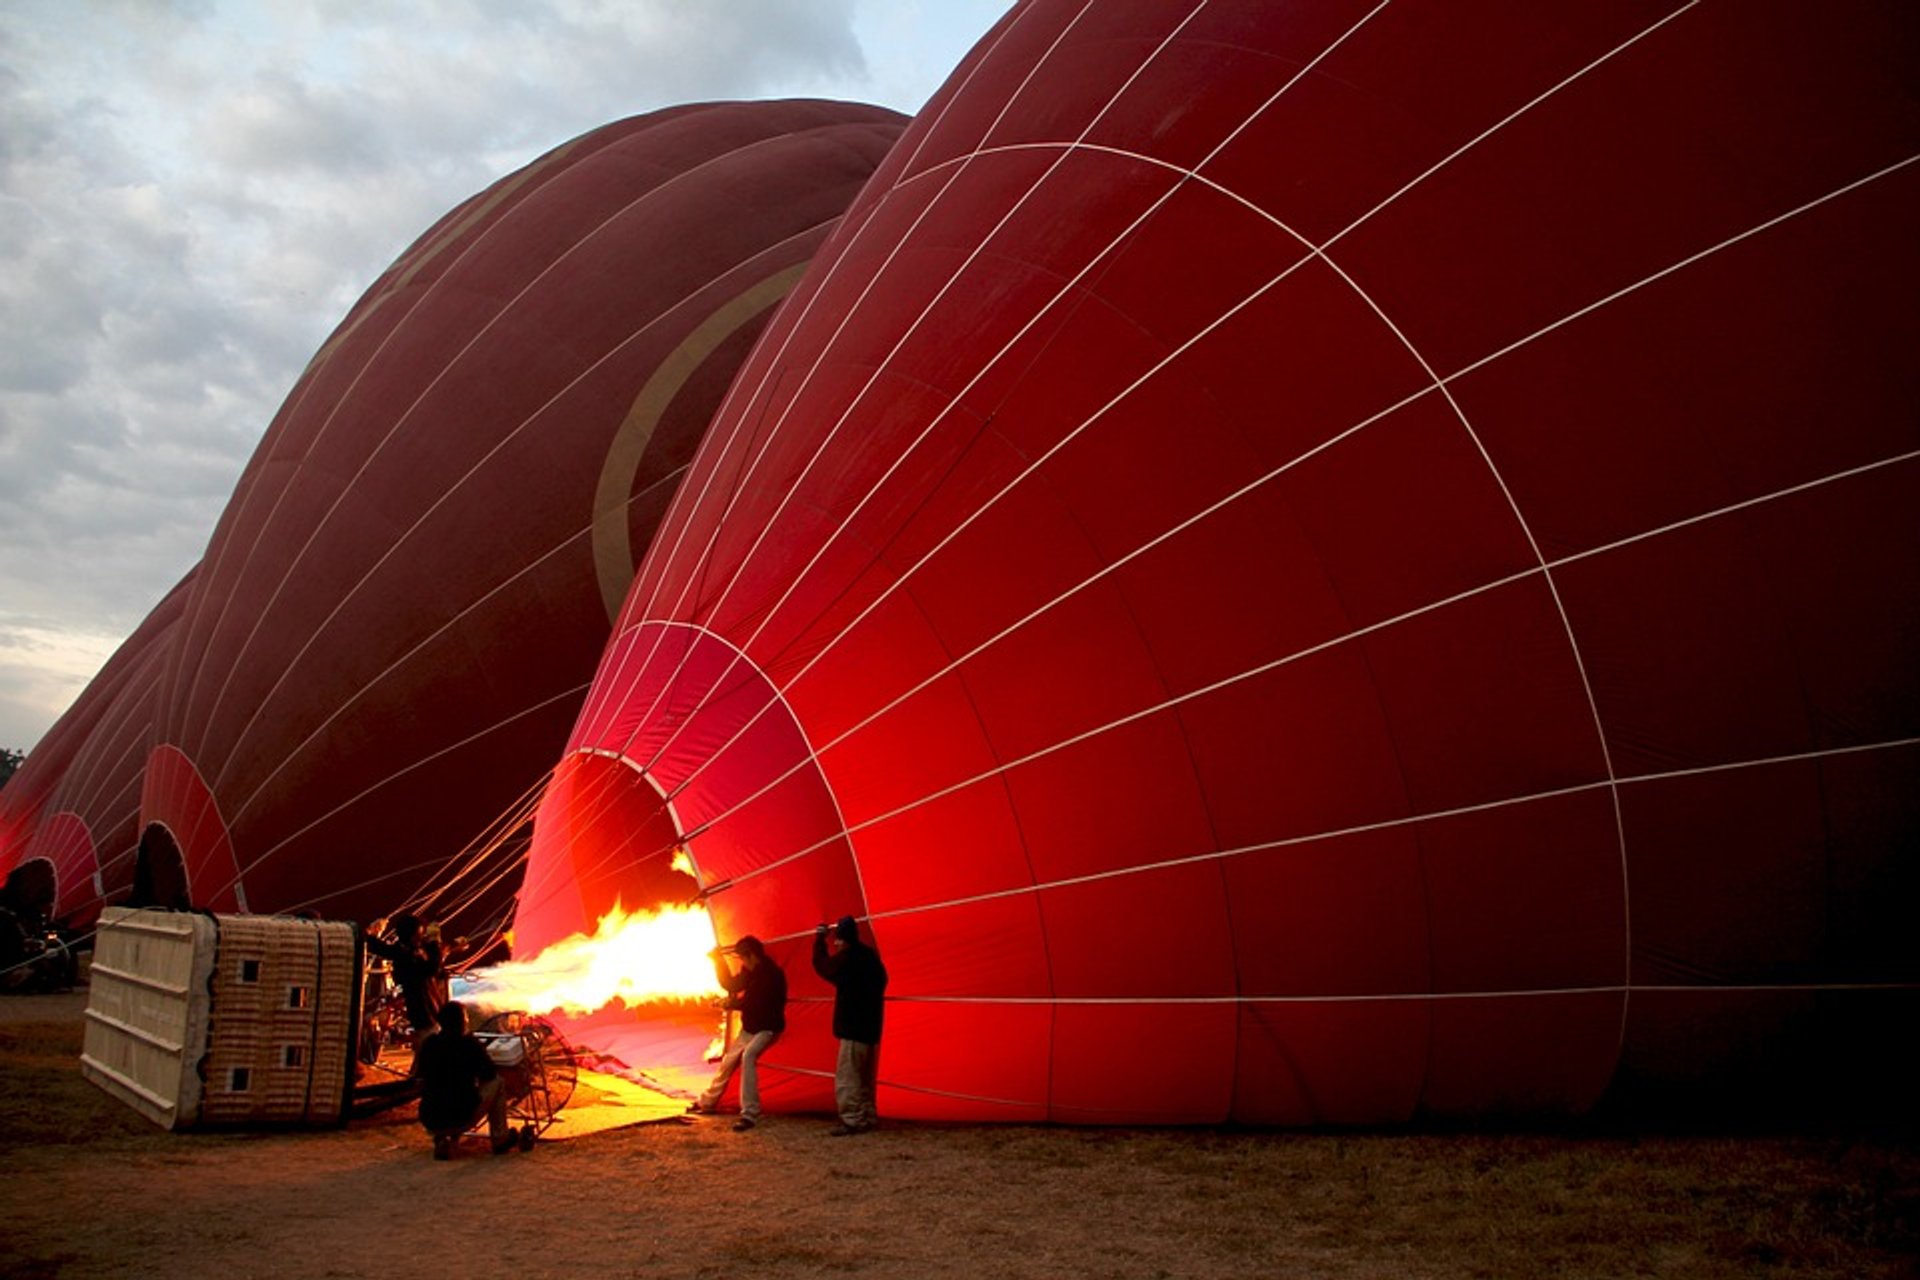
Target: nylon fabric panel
[(1723, 347), (1121, 798), (1331, 1062), (1303, 749), (1343, 916), (392, 629), (993, 948), (1557, 1053), (966, 1061), (907, 860), (1495, 669), (1771, 919), (864, 662), (1157, 933), (929, 742), (1526, 897), (1143, 1063), (1248, 619), (1435, 523), (1084, 653), (1378, 109), (1209, 616)]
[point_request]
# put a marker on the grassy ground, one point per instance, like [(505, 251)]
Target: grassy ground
[(90, 1189)]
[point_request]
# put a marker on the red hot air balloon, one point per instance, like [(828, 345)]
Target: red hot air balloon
[(400, 609), (76, 801), (1324, 562)]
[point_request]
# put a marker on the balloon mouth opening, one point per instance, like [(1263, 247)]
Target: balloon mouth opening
[(613, 938)]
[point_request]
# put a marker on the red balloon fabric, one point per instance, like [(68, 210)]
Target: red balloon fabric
[(1310, 563), (76, 800), (400, 610)]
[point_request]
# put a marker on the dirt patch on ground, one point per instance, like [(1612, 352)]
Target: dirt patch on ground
[(91, 1189)]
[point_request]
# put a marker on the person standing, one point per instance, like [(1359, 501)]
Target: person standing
[(413, 953), (859, 988), (758, 989)]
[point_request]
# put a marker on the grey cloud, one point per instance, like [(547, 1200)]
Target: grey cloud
[(193, 194)]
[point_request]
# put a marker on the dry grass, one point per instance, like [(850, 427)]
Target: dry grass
[(90, 1189)]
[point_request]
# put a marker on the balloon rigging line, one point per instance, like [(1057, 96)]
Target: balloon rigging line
[(1504, 121), (813, 292), (56, 804), (1388, 824), (391, 873), (598, 798), (924, 127), (496, 835), (250, 484), (537, 892), (483, 732), (1560, 608), (1438, 383), (880, 367), (846, 317), (720, 451), (420, 646), (578, 689), (367, 458), (89, 790), (645, 330), (1213, 153), (1688, 261), (1131, 717), (1248, 488), (694, 832), (1392, 997), (115, 723), (839, 244), (1193, 173), (430, 292), (697, 583)]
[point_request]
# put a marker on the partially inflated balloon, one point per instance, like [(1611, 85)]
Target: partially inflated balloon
[(399, 612), (75, 803), (1317, 563)]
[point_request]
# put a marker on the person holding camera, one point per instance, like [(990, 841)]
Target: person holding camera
[(859, 988), (758, 989)]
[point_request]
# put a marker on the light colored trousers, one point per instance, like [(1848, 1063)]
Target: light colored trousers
[(854, 1076), (744, 1054)]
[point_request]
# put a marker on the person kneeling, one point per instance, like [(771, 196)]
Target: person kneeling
[(459, 1084)]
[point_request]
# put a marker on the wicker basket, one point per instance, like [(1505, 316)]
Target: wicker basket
[(198, 1019)]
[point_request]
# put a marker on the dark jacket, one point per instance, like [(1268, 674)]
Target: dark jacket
[(759, 993), (452, 1069), (414, 969), (859, 985)]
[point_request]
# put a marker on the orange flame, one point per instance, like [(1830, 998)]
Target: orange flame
[(637, 958)]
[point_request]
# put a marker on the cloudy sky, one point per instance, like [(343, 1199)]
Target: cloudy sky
[(193, 192)]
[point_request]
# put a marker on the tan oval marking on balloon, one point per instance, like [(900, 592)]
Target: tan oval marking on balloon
[(612, 547)]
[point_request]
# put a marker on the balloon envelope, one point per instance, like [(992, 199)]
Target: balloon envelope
[(1317, 563), (401, 607)]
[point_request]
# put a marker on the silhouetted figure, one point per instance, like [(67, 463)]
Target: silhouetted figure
[(413, 953), (859, 987), (458, 1084), (759, 991)]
